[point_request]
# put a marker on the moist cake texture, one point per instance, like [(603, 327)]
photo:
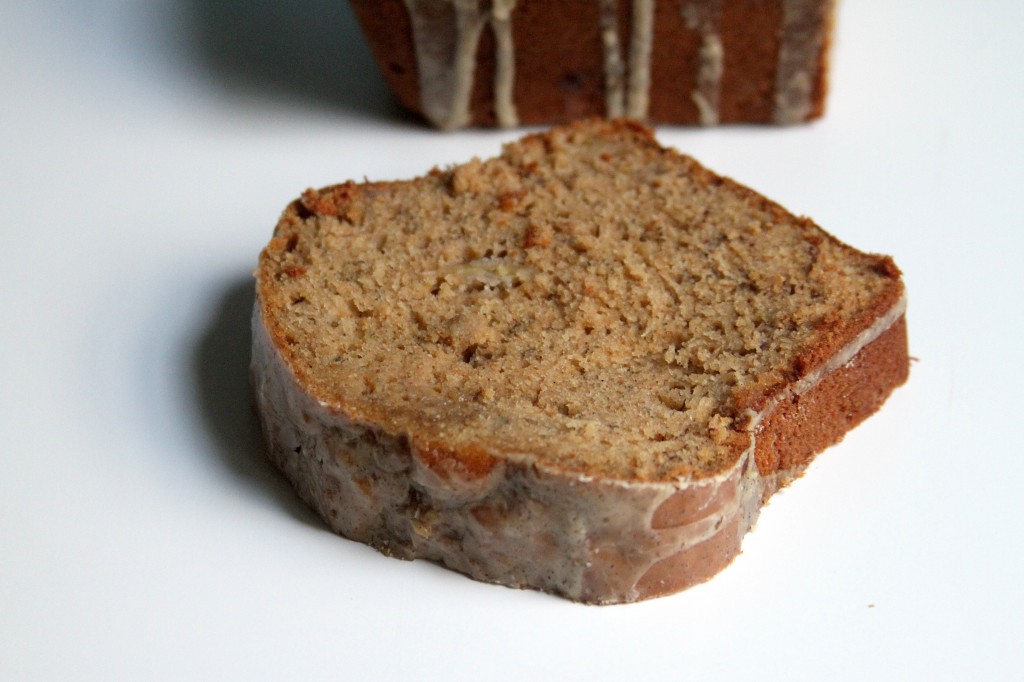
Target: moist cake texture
[(698, 62), (581, 366)]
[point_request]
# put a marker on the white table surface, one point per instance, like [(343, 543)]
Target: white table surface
[(147, 149)]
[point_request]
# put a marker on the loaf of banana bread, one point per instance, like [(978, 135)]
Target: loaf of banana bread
[(507, 62)]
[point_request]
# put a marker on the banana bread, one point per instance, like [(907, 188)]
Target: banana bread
[(506, 62), (581, 367)]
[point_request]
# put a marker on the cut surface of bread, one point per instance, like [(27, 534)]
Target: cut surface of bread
[(581, 366)]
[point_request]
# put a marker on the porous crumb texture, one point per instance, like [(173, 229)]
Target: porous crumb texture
[(588, 301)]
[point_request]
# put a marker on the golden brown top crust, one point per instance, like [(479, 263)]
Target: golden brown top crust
[(588, 301)]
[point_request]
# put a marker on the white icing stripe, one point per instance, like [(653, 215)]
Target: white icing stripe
[(469, 24), (446, 36), (504, 69), (614, 70), (709, 78), (705, 16), (640, 47), (627, 94), (803, 30)]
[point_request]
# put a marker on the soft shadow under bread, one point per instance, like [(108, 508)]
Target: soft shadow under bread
[(220, 368)]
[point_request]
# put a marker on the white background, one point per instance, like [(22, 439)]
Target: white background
[(146, 150)]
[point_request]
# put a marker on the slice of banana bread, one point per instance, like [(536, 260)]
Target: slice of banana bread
[(580, 367)]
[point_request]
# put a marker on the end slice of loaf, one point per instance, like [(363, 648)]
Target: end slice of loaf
[(579, 367)]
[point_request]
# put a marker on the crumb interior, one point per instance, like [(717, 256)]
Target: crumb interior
[(587, 299)]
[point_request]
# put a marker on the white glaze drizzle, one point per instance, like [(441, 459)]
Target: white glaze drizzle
[(704, 16), (504, 69), (446, 36), (803, 30), (469, 24), (614, 70), (640, 46)]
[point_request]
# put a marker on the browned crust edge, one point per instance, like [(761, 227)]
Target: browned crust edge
[(802, 425)]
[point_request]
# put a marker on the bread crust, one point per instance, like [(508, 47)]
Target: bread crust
[(560, 76)]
